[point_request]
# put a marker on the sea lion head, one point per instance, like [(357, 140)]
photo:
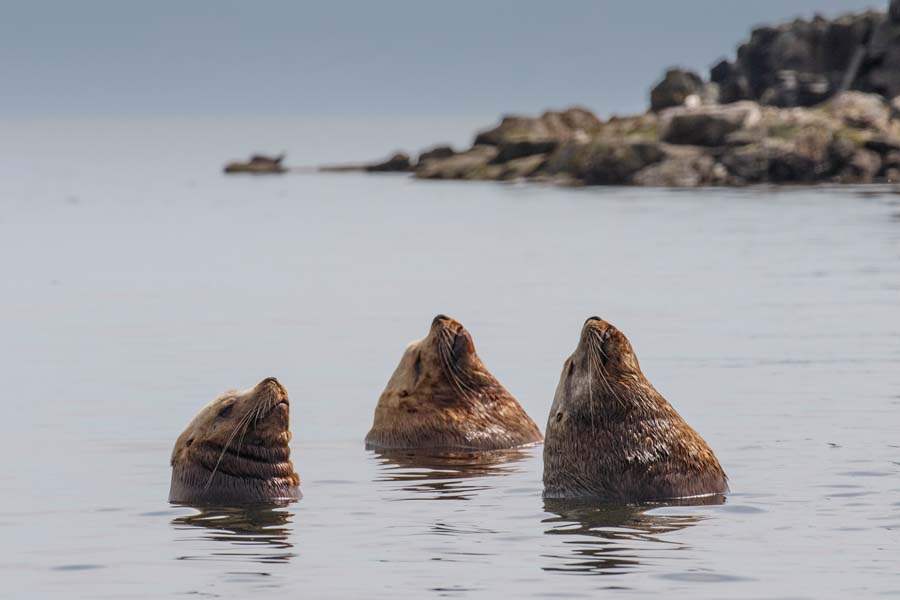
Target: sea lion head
[(442, 395), (236, 449), (603, 369), (612, 435)]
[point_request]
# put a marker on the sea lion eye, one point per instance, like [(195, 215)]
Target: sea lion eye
[(225, 410)]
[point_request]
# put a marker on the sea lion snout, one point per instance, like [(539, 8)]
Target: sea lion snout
[(440, 320)]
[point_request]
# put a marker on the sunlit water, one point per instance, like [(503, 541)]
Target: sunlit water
[(138, 283)]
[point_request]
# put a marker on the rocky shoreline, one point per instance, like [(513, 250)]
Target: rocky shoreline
[(810, 101)]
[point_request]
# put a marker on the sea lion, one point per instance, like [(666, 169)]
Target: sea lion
[(612, 436), (442, 396), (235, 450)]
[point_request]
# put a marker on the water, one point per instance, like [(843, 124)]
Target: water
[(138, 283)]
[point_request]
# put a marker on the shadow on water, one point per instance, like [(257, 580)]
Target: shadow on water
[(614, 539), (257, 533), (437, 475)]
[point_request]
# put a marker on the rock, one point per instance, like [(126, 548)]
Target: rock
[(435, 152), (686, 170), (707, 126), (520, 168), (677, 85), (549, 127), (258, 165), (894, 11), (733, 84), (397, 163), (470, 164), (863, 168), (777, 161), (883, 144), (800, 63), (860, 110), (611, 161)]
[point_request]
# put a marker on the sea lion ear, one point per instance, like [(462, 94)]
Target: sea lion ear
[(462, 345)]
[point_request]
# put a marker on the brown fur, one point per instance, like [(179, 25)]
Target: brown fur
[(612, 436), (236, 450), (442, 396)]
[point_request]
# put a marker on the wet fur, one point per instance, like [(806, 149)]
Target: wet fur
[(442, 396), (612, 436), (235, 450)]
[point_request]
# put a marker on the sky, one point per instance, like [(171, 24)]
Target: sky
[(385, 58)]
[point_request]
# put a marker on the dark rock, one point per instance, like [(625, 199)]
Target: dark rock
[(689, 169), (435, 152), (552, 126), (733, 84), (511, 150), (707, 125), (258, 165), (398, 163), (883, 144), (464, 165), (613, 161), (777, 161), (675, 88), (862, 168), (803, 62)]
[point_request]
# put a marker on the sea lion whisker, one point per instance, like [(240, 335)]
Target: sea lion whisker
[(224, 449)]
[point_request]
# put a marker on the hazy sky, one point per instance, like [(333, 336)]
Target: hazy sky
[(98, 57)]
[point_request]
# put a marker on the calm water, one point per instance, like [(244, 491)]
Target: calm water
[(138, 283)]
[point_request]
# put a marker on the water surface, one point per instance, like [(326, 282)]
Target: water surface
[(138, 283)]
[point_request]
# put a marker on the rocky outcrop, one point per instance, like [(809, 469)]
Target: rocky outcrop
[(808, 101), (518, 136), (257, 165), (805, 62)]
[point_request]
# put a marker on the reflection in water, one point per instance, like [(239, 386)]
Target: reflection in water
[(436, 475), (255, 533), (613, 539)]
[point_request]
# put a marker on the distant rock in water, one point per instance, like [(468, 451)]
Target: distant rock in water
[(257, 165), (398, 162)]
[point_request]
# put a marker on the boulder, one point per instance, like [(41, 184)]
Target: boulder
[(860, 110), (675, 88), (883, 143), (257, 165), (520, 168), (686, 170), (608, 161), (862, 168), (552, 126), (435, 152), (802, 62), (707, 125), (778, 161), (464, 165), (398, 163)]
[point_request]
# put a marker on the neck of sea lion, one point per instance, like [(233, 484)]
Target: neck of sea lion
[(191, 484)]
